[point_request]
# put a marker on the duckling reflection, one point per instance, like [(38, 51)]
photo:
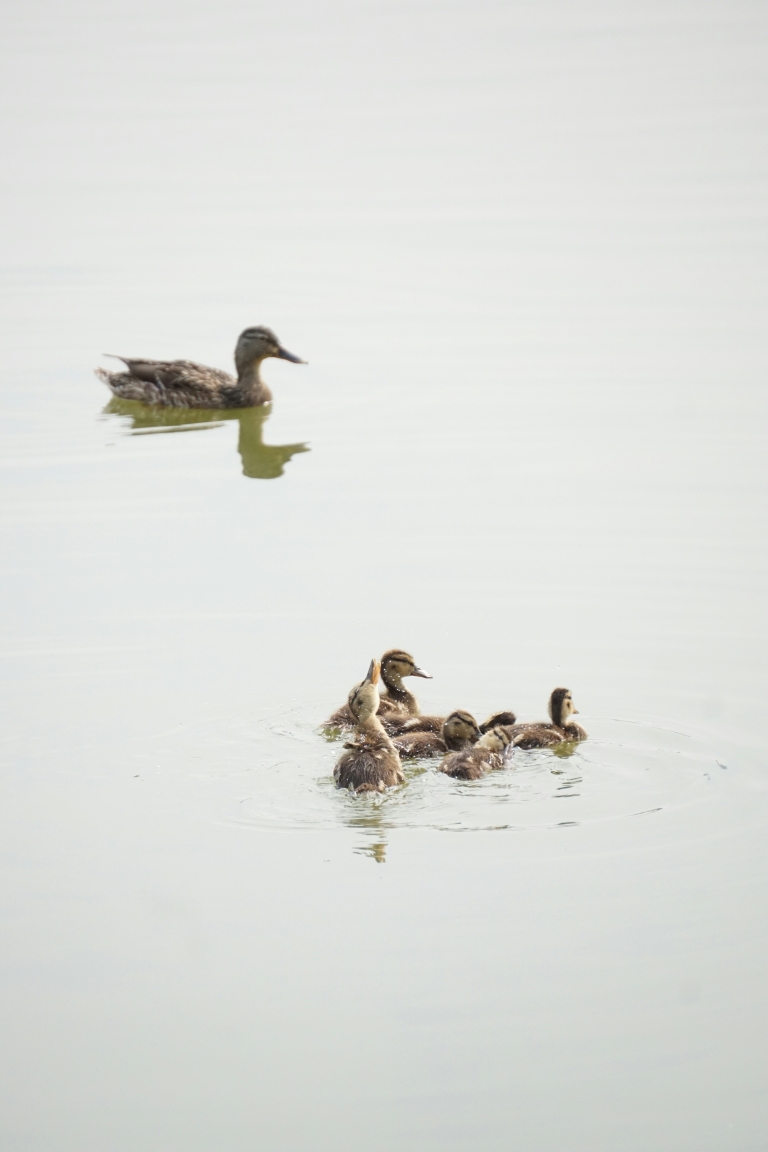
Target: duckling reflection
[(260, 461), (373, 826), (376, 851)]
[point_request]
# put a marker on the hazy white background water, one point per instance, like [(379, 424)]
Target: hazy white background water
[(523, 248)]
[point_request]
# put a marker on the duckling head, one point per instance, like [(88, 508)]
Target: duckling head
[(395, 664), (561, 707), (460, 726), (363, 700), (496, 739), (256, 344)]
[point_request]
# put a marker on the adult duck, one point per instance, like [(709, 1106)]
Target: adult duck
[(371, 762), (183, 384)]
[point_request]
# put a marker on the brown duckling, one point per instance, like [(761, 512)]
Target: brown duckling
[(183, 384), (370, 763), (474, 762), (406, 725), (397, 701), (460, 730), (562, 729)]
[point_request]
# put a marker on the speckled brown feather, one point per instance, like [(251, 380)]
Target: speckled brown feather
[(403, 724), (181, 384), (471, 763), (369, 766)]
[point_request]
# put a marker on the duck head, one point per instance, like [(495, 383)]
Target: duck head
[(561, 707), (363, 700), (496, 740), (256, 344), (460, 726), (395, 664)]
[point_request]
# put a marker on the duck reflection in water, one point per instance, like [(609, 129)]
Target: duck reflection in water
[(369, 818), (374, 840), (260, 461), (376, 851)]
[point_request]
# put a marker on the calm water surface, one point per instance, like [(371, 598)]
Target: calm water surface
[(523, 249)]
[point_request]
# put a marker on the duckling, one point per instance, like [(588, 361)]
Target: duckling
[(477, 761), (407, 725), (182, 384), (370, 763), (561, 730), (460, 730), (397, 700)]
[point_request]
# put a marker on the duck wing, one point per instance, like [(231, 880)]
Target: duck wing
[(465, 765), (534, 735), (401, 723), (420, 744), (173, 383), (177, 373)]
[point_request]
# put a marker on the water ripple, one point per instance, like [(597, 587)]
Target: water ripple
[(626, 770)]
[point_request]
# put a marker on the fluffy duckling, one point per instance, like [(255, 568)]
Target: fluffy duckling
[(460, 730), (397, 701), (562, 729), (371, 763), (474, 762), (182, 384), (407, 725)]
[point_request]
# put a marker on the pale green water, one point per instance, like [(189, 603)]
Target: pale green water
[(523, 250)]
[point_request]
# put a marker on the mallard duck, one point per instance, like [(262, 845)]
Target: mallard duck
[(485, 756), (182, 384), (398, 725), (397, 700), (561, 730), (370, 763), (460, 730)]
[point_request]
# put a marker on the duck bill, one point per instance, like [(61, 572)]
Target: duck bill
[(373, 672), (284, 354), (420, 672)]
